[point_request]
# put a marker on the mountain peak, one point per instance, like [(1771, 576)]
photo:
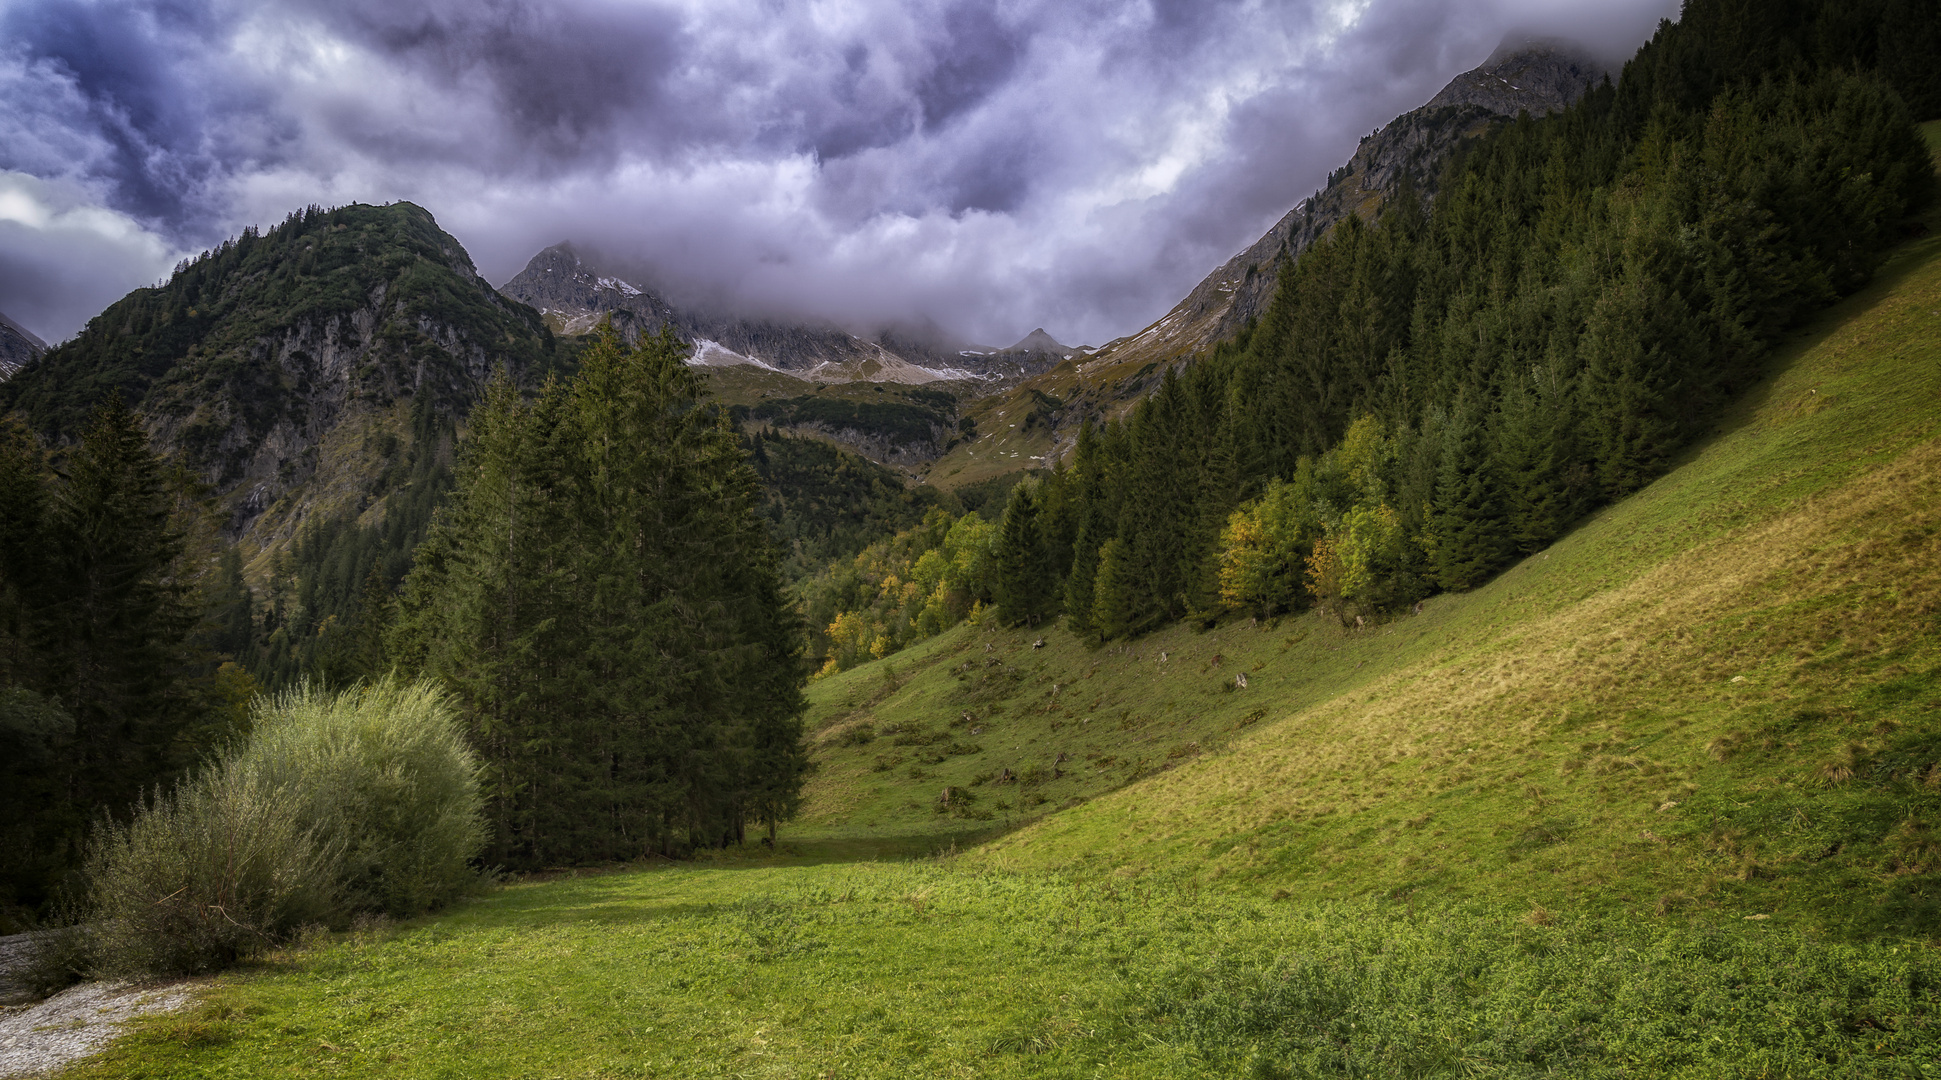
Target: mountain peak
[(1038, 341), (1537, 75)]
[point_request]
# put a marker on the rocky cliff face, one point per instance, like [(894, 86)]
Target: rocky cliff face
[(275, 364), (575, 292), (18, 347)]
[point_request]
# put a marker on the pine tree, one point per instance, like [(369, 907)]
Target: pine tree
[(232, 610), (1026, 584), (114, 618), (1910, 39), (1112, 603), (23, 551), (1471, 533), (1631, 377), (604, 598), (1529, 452), (1089, 501)]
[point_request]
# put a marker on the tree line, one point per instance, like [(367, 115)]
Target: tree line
[(108, 679)]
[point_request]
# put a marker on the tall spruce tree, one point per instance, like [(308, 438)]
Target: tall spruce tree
[(111, 618), (107, 686), (23, 551), (1471, 528), (604, 599), (1027, 582)]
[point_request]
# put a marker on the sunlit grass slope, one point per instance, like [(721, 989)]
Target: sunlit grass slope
[(929, 970), (1722, 695)]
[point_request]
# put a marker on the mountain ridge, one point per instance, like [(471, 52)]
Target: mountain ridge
[(274, 353), (576, 288), (1409, 148)]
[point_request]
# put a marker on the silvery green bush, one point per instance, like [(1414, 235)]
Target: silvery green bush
[(334, 804)]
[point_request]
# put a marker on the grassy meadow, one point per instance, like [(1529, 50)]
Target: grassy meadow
[(936, 969), (1663, 800)]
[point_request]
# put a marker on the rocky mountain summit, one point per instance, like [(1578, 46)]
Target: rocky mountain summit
[(1534, 75), (574, 290), (18, 347), (283, 366)]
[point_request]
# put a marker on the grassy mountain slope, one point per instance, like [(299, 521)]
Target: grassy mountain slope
[(1720, 694)]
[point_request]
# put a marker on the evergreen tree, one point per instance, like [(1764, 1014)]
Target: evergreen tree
[(110, 621), (23, 551), (1088, 498), (1910, 39), (1470, 528), (1112, 601), (1531, 448), (232, 609), (604, 598), (1026, 582)]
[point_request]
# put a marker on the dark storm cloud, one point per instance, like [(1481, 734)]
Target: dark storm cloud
[(990, 167), (976, 56), (566, 80), (151, 118)]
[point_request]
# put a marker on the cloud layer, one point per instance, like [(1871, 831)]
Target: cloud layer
[(988, 167)]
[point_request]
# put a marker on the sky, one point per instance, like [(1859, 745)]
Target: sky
[(984, 167)]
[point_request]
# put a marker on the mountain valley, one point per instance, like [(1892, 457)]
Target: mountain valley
[(1491, 625)]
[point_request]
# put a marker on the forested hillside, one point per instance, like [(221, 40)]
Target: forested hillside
[(254, 354), (310, 379), (221, 485), (1433, 395)]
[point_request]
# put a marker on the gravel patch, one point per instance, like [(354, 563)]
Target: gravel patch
[(78, 1021)]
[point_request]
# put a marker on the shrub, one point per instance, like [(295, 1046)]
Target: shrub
[(381, 771), (335, 805), (204, 876)]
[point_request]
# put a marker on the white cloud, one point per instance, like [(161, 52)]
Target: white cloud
[(63, 258)]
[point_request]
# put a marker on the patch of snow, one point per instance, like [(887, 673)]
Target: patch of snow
[(615, 283), (709, 353)]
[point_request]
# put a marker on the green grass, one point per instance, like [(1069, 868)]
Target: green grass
[(900, 970)]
